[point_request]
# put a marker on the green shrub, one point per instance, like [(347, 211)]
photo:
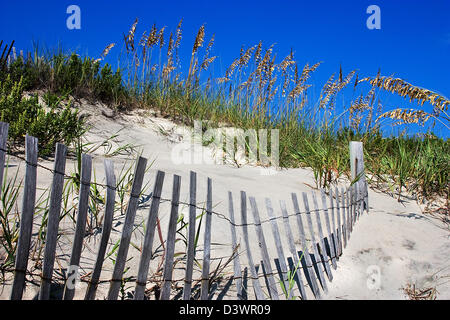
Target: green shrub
[(25, 115), (64, 74)]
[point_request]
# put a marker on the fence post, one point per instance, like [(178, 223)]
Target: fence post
[(26, 219), (80, 228), (53, 221), (204, 290), (357, 169), (127, 230), (146, 255), (170, 242), (106, 232)]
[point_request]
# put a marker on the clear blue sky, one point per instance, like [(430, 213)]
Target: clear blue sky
[(413, 43)]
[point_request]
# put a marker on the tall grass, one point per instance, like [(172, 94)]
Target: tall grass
[(260, 91)]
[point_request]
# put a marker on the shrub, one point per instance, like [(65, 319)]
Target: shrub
[(25, 115), (63, 74)]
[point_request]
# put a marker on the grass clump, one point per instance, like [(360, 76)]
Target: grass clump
[(49, 124), (258, 91), (67, 74)]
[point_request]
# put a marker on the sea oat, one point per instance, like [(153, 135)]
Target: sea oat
[(405, 89), (178, 34), (130, 36), (407, 116), (199, 39)]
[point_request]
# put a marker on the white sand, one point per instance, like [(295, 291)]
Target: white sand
[(406, 246)]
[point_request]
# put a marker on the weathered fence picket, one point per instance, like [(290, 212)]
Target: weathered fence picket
[(234, 247), (338, 220), (106, 229), (264, 252), (349, 211), (53, 221), (146, 255), (355, 204), (204, 292), (254, 275), (278, 244), (354, 207), (357, 168), (345, 205), (318, 248), (80, 228), (330, 238), (333, 222), (4, 127), (361, 201), (344, 215), (321, 243), (191, 236), (293, 250), (170, 242), (122, 253), (305, 250), (26, 220), (319, 263)]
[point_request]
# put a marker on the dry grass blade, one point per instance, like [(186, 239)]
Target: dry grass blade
[(420, 294)]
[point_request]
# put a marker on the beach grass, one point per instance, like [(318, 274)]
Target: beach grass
[(259, 91)]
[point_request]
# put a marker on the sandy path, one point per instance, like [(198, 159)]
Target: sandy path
[(394, 239)]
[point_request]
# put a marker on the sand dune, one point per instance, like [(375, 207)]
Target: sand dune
[(392, 246)]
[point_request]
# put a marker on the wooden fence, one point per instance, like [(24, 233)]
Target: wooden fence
[(311, 265)]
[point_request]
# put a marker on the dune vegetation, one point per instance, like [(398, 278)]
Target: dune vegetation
[(258, 90)]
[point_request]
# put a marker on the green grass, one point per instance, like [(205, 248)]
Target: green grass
[(51, 123), (313, 133)]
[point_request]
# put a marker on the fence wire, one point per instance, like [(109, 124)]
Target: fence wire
[(144, 198)]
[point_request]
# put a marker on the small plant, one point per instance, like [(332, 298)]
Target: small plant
[(414, 293), (325, 158), (9, 218), (290, 280), (26, 115), (112, 255), (67, 73)]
